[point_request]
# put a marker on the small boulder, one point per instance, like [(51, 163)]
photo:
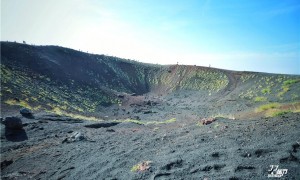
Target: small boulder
[(6, 163), (136, 118), (121, 96), (74, 137), (149, 103), (17, 99), (12, 123), (25, 112), (206, 121)]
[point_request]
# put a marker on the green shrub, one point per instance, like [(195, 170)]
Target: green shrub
[(267, 107), (266, 91), (130, 120), (260, 99), (280, 113), (170, 120), (290, 82)]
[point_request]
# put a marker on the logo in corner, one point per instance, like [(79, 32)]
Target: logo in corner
[(275, 172)]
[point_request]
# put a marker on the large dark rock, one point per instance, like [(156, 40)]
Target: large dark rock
[(6, 163), (12, 123)]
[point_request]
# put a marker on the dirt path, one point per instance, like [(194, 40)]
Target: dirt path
[(231, 85)]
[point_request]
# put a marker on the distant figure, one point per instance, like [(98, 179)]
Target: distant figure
[(24, 42), (209, 65), (177, 63)]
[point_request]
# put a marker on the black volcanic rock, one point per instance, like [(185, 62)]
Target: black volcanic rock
[(25, 111), (13, 123)]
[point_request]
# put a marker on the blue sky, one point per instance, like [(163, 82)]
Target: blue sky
[(253, 35)]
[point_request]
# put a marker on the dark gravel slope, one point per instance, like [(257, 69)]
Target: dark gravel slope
[(225, 149)]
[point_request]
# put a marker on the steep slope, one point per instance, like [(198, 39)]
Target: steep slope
[(47, 75), (61, 79)]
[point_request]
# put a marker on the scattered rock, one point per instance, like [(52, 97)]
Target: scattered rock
[(246, 155), (17, 99), (14, 175), (261, 152), (102, 125), (110, 130), (58, 118), (148, 103), (206, 121), (207, 168), (70, 168), (136, 118), (291, 157), (295, 147), (233, 178), (149, 112), (12, 122), (143, 166), (217, 167), (121, 96), (173, 164), (215, 154), (76, 136), (240, 168), (137, 110), (25, 112), (6, 163)]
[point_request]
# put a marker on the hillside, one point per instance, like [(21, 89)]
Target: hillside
[(131, 112), (51, 77)]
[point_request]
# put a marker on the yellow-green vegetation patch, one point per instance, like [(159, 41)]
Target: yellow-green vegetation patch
[(58, 111), (286, 86), (260, 99), (275, 86), (290, 82), (170, 120), (130, 120), (37, 88), (191, 78), (267, 107), (149, 122), (225, 116), (266, 91), (162, 122), (276, 109), (280, 113), (18, 103), (22, 103)]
